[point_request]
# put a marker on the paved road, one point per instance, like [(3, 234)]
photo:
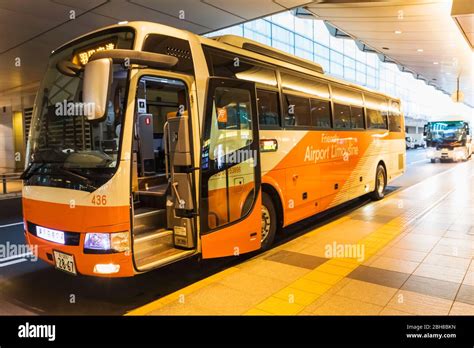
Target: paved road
[(28, 287)]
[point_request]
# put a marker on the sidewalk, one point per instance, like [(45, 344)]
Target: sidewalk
[(415, 251), (13, 190)]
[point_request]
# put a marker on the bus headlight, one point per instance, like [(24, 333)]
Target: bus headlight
[(115, 242), (430, 153)]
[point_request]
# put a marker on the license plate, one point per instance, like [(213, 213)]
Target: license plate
[(51, 235), (65, 262)]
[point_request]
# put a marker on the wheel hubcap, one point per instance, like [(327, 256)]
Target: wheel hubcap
[(266, 222), (380, 182)]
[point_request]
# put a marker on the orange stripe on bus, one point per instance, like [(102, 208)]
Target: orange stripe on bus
[(77, 218)]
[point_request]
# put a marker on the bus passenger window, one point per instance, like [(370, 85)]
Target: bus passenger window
[(394, 119), (342, 116), (297, 111), (231, 121), (357, 117), (375, 119), (394, 123), (267, 104), (320, 113)]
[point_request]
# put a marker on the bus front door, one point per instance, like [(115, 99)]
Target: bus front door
[(230, 209), (163, 169)]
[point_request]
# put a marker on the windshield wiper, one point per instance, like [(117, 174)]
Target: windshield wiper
[(29, 172), (69, 172)]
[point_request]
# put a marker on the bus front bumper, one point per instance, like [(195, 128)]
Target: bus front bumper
[(457, 154), (73, 260)]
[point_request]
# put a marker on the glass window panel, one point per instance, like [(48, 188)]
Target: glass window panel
[(224, 195), (342, 116), (337, 69), (371, 82), (375, 119), (320, 113), (350, 48), (361, 56), (361, 78), (303, 47), (284, 19), (231, 121), (304, 27), (357, 117), (371, 71), (349, 74), (394, 118), (337, 57), (324, 63), (283, 39), (336, 44), (377, 111), (372, 60), (321, 33), (267, 104), (260, 26), (361, 67), (297, 111), (321, 51), (349, 62)]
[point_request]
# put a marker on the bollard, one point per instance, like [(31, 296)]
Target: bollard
[(4, 183)]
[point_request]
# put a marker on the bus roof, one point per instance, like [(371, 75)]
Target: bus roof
[(265, 53), (232, 43)]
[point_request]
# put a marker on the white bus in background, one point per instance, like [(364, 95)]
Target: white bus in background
[(448, 140)]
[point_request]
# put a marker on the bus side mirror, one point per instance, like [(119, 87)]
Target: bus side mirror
[(96, 87), (425, 130)]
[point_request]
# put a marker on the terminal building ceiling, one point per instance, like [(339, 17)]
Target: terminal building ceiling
[(432, 39), (31, 29)]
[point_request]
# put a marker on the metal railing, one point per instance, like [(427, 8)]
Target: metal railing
[(9, 178)]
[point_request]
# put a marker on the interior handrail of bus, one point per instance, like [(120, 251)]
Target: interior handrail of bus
[(165, 145)]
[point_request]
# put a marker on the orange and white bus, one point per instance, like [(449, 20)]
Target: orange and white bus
[(151, 144)]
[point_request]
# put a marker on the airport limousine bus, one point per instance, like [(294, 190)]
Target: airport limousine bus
[(448, 140), (150, 144)]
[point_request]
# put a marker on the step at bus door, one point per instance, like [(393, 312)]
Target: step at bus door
[(230, 207)]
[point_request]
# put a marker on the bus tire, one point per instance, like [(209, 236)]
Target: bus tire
[(269, 221), (432, 160), (380, 183)]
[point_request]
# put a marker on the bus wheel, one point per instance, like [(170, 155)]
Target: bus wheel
[(269, 221), (380, 181), (433, 160)]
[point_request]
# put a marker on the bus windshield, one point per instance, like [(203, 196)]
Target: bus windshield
[(450, 130), (63, 143)]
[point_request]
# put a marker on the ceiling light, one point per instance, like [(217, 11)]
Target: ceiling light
[(398, 31), (435, 63), (420, 50)]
